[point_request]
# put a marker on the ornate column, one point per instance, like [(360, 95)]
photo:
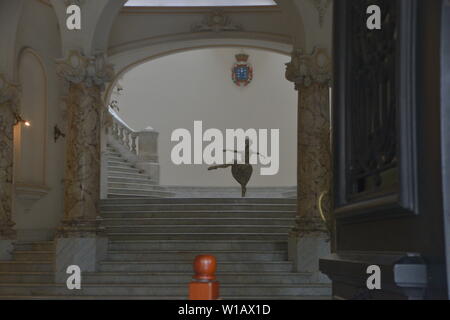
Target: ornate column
[(79, 233), (9, 101), (309, 240)]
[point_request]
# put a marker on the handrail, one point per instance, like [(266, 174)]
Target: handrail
[(119, 119), (321, 211), (137, 147), (122, 132)]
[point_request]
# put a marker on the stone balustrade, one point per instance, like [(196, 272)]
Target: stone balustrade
[(125, 135), (139, 147)]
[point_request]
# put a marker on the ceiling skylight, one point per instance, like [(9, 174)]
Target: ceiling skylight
[(198, 3)]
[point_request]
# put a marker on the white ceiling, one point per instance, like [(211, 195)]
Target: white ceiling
[(197, 3)]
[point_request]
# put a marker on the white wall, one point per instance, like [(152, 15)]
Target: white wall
[(38, 31), (173, 91)]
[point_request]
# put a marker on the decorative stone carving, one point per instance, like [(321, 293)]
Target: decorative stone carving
[(92, 71), (77, 2), (216, 21), (9, 100), (86, 78), (309, 240), (305, 70), (312, 75), (322, 8), (314, 157)]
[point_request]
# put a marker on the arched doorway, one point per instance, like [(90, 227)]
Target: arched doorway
[(174, 89)]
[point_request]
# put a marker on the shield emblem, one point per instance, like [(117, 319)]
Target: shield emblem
[(242, 71)]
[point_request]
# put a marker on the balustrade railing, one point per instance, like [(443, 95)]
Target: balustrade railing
[(125, 135), (140, 147)]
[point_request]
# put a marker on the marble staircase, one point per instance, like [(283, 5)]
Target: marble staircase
[(127, 181), (152, 243)]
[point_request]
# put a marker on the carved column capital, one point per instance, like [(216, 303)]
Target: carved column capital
[(305, 70), (77, 68)]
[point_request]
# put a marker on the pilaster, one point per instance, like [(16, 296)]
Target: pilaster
[(79, 239), (9, 104), (85, 78), (309, 239)]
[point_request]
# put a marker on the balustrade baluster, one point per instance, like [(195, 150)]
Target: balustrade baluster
[(133, 143), (121, 134), (127, 139)]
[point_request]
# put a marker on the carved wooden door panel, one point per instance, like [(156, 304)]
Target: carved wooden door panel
[(388, 196)]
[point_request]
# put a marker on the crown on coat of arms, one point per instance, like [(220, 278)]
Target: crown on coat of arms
[(242, 57)]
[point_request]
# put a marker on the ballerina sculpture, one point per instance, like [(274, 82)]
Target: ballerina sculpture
[(241, 172)]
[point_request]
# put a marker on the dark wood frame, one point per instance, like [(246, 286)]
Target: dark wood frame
[(405, 200), (445, 126)]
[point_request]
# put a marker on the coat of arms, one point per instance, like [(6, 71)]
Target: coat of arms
[(242, 71)]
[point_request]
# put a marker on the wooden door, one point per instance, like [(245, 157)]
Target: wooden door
[(388, 159)]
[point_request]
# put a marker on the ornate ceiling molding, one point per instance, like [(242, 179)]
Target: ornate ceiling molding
[(321, 7), (77, 2), (216, 21), (305, 70), (93, 71)]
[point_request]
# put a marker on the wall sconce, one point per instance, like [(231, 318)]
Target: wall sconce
[(19, 119), (57, 133)]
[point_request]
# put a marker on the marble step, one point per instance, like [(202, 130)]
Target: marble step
[(116, 157), (139, 229), (198, 236), (213, 221), (26, 266), (186, 277), (186, 266), (136, 186), (131, 196), (113, 170), (231, 192), (163, 290), (21, 255), (120, 165), (190, 255), (26, 277), (130, 175), (127, 207), (125, 179), (113, 152), (34, 246), (291, 203), (159, 277), (138, 192), (237, 214), (211, 245)]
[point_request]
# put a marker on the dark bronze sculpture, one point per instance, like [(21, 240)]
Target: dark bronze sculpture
[(241, 172)]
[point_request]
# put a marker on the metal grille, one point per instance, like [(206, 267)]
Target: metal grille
[(373, 105)]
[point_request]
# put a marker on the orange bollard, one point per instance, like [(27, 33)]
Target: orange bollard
[(204, 285)]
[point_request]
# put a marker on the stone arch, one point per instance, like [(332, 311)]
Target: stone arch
[(97, 19), (128, 59), (102, 14), (233, 48), (100, 34)]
